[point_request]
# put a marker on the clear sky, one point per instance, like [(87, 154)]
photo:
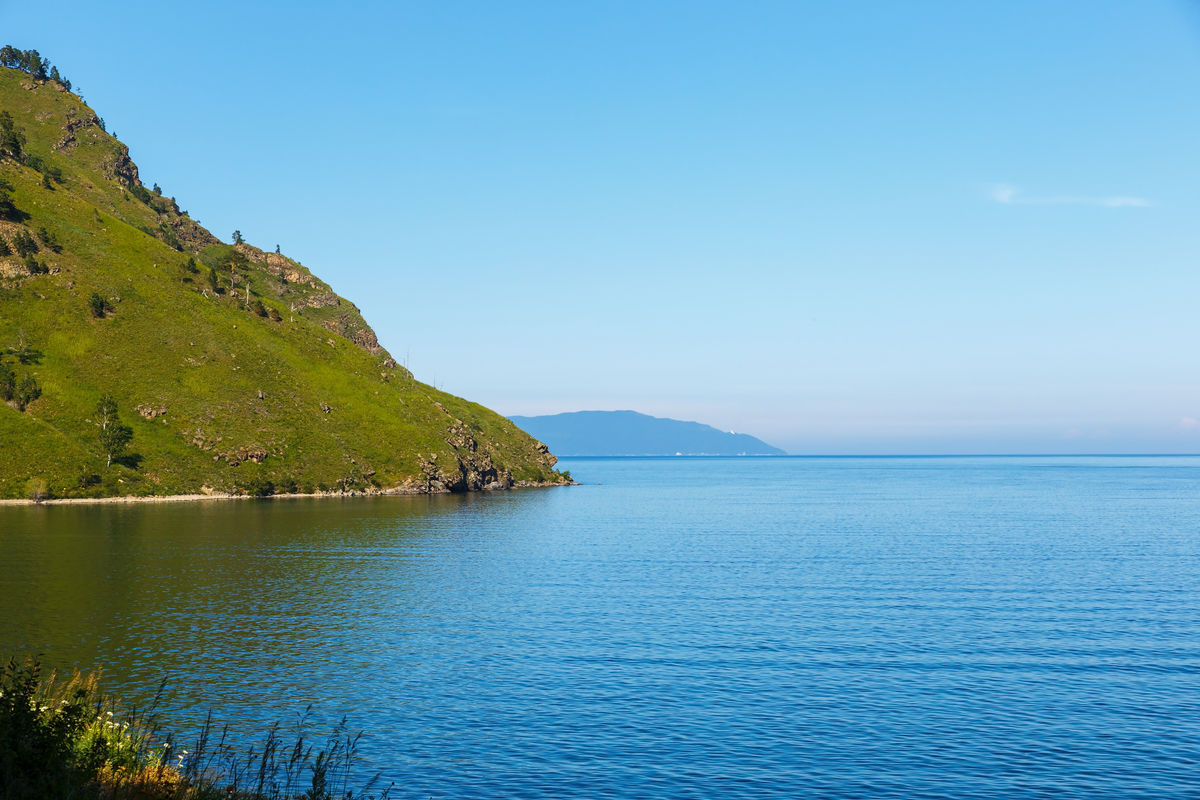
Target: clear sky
[(843, 227)]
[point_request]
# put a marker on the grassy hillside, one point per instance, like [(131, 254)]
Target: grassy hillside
[(233, 367)]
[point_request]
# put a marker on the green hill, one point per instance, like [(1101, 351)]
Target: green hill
[(236, 370)]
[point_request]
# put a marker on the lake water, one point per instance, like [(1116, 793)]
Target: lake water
[(707, 628)]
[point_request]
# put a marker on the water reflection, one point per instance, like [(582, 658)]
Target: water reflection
[(695, 628), (250, 597)]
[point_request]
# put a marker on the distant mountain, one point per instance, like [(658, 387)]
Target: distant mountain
[(628, 433)]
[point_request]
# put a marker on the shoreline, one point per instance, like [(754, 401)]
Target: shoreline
[(396, 491)]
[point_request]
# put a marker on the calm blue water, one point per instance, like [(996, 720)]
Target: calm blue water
[(707, 628)]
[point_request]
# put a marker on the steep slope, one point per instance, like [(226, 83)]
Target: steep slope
[(628, 433), (234, 369)]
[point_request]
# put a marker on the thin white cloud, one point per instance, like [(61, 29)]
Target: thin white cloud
[(1009, 195)]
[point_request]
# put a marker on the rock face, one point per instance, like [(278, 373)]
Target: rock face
[(122, 168), (74, 125), (304, 290)]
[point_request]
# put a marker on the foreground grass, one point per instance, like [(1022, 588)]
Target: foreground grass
[(63, 739)]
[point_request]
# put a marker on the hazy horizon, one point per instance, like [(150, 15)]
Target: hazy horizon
[(841, 228)]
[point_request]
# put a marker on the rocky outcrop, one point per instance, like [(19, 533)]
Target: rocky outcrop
[(192, 236), (240, 454), (322, 300), (121, 167), (471, 470), (149, 411), (71, 127), (356, 330)]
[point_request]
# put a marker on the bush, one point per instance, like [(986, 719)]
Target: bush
[(27, 391), (24, 244), (36, 489), (49, 239), (97, 305), (35, 267), (139, 191), (259, 487), (61, 740), (37, 734), (8, 382)]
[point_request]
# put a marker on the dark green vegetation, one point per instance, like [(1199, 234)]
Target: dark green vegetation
[(233, 369), (628, 433), (65, 740)]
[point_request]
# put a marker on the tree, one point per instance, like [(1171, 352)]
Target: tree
[(188, 270), (114, 437), (27, 391), (277, 250), (24, 244), (97, 305), (8, 209), (8, 382), (237, 263), (12, 141), (49, 239), (237, 238), (24, 351)]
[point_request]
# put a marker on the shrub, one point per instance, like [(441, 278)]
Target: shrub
[(8, 382), (49, 239), (5, 250), (97, 305), (66, 739), (139, 191), (259, 487), (34, 266), (36, 490), (24, 244), (28, 390)]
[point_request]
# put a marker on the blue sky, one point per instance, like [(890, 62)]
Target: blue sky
[(842, 227)]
